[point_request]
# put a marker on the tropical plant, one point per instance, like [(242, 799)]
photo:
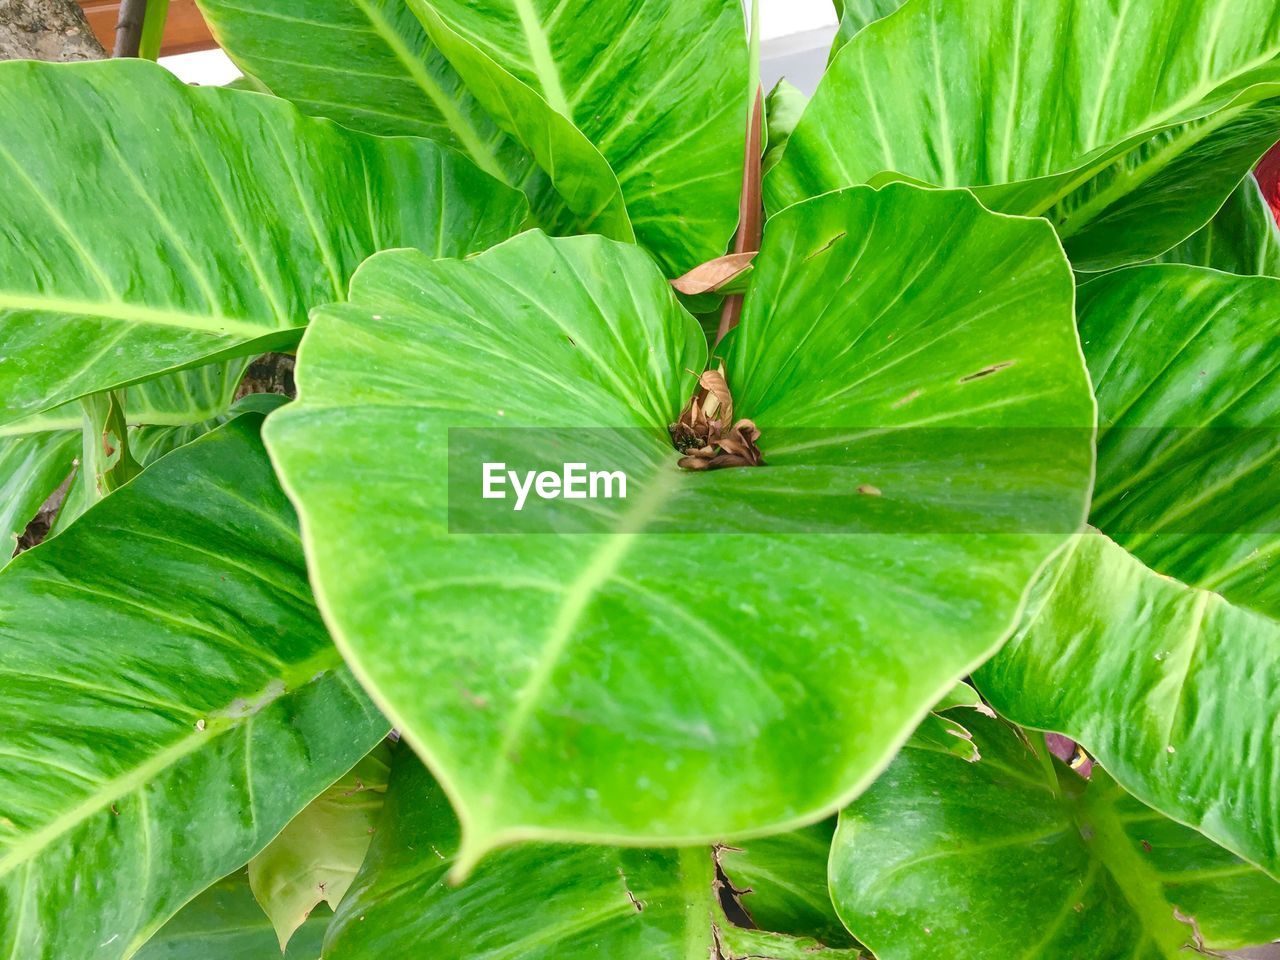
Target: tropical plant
[(973, 438)]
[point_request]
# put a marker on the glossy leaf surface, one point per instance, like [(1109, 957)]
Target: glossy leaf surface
[(1068, 108), (536, 901), (666, 704), (1015, 856), (636, 109), (209, 708), (230, 216), (37, 453), (1241, 238), (226, 923), (368, 65), (1169, 672)]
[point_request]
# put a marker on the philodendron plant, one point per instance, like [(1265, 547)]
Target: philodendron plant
[(695, 506)]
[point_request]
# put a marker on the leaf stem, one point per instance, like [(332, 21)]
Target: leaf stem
[(750, 209)]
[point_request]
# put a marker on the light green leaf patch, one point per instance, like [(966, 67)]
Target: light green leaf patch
[(1125, 123), (207, 707), (1016, 856), (229, 216), (315, 858), (668, 659), (1158, 645), (636, 110)]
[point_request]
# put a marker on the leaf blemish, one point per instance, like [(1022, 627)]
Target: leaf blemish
[(827, 246), (903, 401), (987, 371)]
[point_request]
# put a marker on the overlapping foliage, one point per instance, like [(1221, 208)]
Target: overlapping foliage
[(1010, 346)]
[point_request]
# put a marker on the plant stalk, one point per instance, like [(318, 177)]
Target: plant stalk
[(129, 24)]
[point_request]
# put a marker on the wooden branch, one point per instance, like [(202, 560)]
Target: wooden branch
[(133, 14), (46, 30)]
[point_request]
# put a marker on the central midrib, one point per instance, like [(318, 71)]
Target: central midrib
[(1138, 882), (544, 64), (598, 568)]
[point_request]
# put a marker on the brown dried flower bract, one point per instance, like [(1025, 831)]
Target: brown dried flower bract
[(706, 432)]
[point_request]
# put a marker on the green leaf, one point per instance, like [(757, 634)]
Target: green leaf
[(1156, 194), (536, 901), (680, 639), (1169, 673), (315, 858), (856, 14), (368, 65), (33, 463), (637, 111), (1170, 687), (1126, 124), (226, 923), (781, 882), (782, 109), (39, 452), (209, 708), (1241, 238), (235, 215), (1016, 856), (1188, 444)]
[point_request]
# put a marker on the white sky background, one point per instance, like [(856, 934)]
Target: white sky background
[(780, 22)]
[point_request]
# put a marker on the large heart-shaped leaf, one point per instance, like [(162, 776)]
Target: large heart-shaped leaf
[(368, 65), (1062, 107), (537, 901), (1242, 237), (1170, 675), (679, 662), (217, 218), (1013, 855), (636, 110), (226, 923), (171, 701)]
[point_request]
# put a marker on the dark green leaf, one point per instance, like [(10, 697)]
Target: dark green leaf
[(782, 883), (226, 923), (536, 901), (171, 701), (1125, 123), (1015, 856), (1241, 238)]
